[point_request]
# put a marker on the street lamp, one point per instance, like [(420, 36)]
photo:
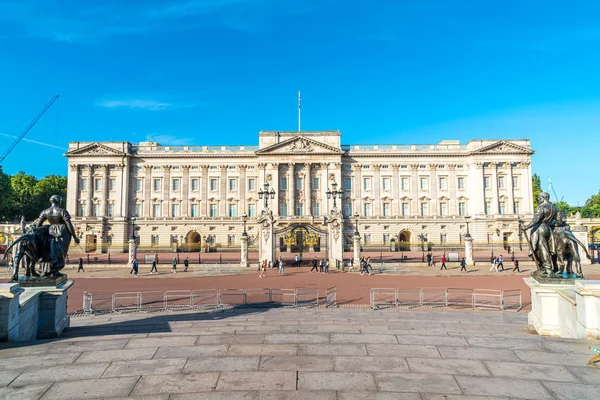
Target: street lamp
[(356, 225), (334, 193), (133, 228), (423, 238), (467, 218), (520, 235), (266, 194), (244, 219)]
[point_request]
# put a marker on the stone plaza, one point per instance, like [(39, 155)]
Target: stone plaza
[(281, 353)]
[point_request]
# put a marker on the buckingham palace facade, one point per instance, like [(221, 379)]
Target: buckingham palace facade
[(193, 197)]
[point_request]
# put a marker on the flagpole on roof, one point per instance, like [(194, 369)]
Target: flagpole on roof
[(299, 101)]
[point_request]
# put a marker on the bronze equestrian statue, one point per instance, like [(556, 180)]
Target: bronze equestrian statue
[(46, 245)]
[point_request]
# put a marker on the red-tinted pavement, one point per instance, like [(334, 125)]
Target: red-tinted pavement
[(351, 287)]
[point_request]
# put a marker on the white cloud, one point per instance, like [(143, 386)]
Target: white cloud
[(140, 104)]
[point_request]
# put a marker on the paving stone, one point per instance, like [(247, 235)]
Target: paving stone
[(262, 350), (433, 396), (447, 366), (581, 347), (228, 339), (544, 357), (357, 349), (478, 353), (336, 381), (417, 383), (37, 361), (282, 380), (514, 388), (295, 363), (402, 350), (572, 391), (338, 329), (377, 396), (213, 396), (31, 392), (363, 338), (162, 341), (91, 389), (80, 346), (145, 367), (557, 373), (587, 374), (209, 364), (71, 372), (432, 340), (297, 338), (145, 353), (8, 376), (515, 344), (370, 364), (211, 350), (24, 349), (294, 395), (145, 397), (176, 383)]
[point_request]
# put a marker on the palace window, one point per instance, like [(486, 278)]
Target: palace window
[(233, 210), (424, 209), (348, 209), (517, 207), (443, 238), (195, 184), (386, 238), (176, 184), (194, 210), (486, 182), (386, 183), (97, 185), (501, 182), (299, 209), (366, 183), (367, 209), (298, 183), (405, 212), (316, 209), (387, 209), (83, 184), (156, 210), (443, 183), (138, 210), (283, 209), (174, 210), (367, 238), (515, 181), (156, 185), (213, 184), (213, 210), (502, 208), (251, 185), (81, 210), (443, 209), (111, 210), (112, 183), (347, 183), (283, 183), (155, 240), (315, 183), (96, 210), (462, 209), (424, 183), (252, 210), (138, 185), (232, 185), (231, 240), (461, 183), (488, 207), (405, 184)]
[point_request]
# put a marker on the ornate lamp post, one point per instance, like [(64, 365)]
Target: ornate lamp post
[(467, 218), (244, 219), (423, 238), (334, 194), (133, 228), (356, 225), (265, 193)]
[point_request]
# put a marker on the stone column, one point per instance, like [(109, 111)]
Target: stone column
[(90, 190), (356, 241), (414, 189), (244, 252), (357, 189), (129, 188), (265, 248), (9, 317), (242, 191), (292, 189), (73, 190), (335, 227), (580, 232), (147, 206), (469, 250), (452, 193), (166, 192), (105, 192), (308, 190), (204, 191), (476, 204), (223, 190), (527, 191), (185, 191), (377, 190), (132, 251), (494, 183), (324, 186), (510, 207), (395, 190), (434, 208)]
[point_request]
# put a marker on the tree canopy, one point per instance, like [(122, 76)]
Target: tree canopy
[(591, 209)]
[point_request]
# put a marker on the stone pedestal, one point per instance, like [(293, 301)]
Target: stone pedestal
[(53, 317), (336, 245), (265, 247), (244, 252), (9, 311), (356, 242), (469, 250), (580, 232), (132, 250), (565, 309)]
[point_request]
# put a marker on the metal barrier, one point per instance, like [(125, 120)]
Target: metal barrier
[(175, 299), (126, 301), (97, 302), (331, 297), (258, 297), (306, 297), (232, 297), (449, 297), (205, 298), (152, 300), (284, 297), (218, 269)]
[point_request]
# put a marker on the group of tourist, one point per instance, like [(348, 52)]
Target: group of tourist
[(364, 265), (498, 262), (154, 270), (323, 266)]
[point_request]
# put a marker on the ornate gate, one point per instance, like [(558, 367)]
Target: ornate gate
[(300, 238)]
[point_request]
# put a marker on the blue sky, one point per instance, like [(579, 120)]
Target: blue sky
[(219, 71)]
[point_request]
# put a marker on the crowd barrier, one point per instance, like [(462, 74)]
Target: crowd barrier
[(447, 297), (205, 299)]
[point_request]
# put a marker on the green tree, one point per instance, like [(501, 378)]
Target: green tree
[(537, 189), (23, 186), (47, 187), (591, 209), (6, 199)]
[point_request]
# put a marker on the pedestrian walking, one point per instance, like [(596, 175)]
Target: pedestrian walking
[(186, 264), (326, 262), (516, 268), (494, 264), (321, 267), (174, 265), (433, 261), (351, 264), (443, 263), (263, 269), (156, 257), (368, 265), (463, 265), (280, 266), (429, 257), (80, 268), (500, 264), (11, 264), (314, 265), (297, 261), (135, 267), (153, 270)]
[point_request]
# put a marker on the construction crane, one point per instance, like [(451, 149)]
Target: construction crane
[(551, 187), (28, 127)]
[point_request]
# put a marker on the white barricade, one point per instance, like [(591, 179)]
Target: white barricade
[(331, 296), (408, 297), (232, 297), (126, 301), (307, 297), (258, 297), (283, 297), (458, 297), (205, 298), (512, 299), (433, 296), (152, 300), (178, 299), (487, 298), (383, 297)]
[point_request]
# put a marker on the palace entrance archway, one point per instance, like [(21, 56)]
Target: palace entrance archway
[(193, 241), (404, 241), (300, 238)]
